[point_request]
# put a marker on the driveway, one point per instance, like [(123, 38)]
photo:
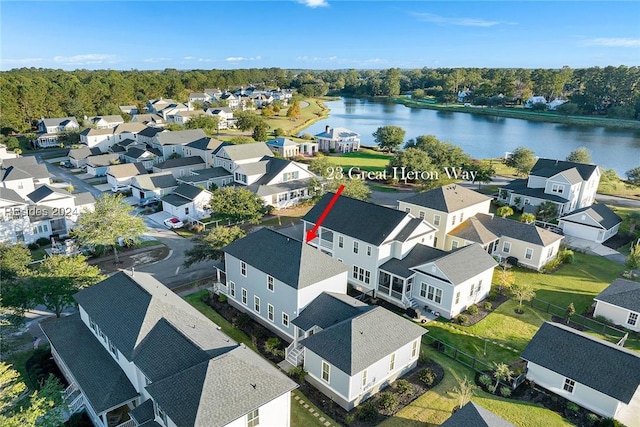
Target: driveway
[(62, 174)]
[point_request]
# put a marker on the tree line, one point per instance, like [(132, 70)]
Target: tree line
[(26, 94)]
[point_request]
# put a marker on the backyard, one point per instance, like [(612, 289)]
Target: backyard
[(365, 159)]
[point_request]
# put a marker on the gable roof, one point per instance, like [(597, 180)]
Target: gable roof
[(595, 363), (102, 159), (92, 131), (155, 180), (364, 221), (247, 151), (205, 174), (179, 162), (131, 127), (10, 195), (622, 293), (44, 191), (420, 254), (483, 223), (549, 167), (205, 144), (23, 168), (59, 121), (83, 152), (327, 309), (136, 152), (520, 186), (112, 118), (474, 415), (473, 257), (180, 137), (183, 194), (126, 170), (288, 260), (599, 212), (358, 342), (448, 198), (150, 131), (281, 142), (84, 198)]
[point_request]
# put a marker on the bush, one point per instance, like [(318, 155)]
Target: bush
[(505, 391), (591, 418), (332, 150), (367, 412), (307, 136), (349, 419), (33, 246), (271, 345), (609, 422), (43, 241), (473, 310), (566, 256), (487, 305), (427, 376), (242, 320), (572, 407), (485, 380), (462, 319), (222, 298), (298, 373), (404, 387), (387, 401)]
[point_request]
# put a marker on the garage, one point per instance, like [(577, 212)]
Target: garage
[(596, 223)]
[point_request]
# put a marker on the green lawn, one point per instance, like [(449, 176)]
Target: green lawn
[(365, 159), (435, 406), (301, 417)]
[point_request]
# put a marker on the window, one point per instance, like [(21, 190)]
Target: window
[(232, 289), (506, 247), (186, 211), (253, 418), (421, 214), (392, 362), (270, 312), (453, 219), (434, 294), (457, 297), (270, 283), (528, 253), (436, 220), (256, 303), (361, 274), (94, 326), (288, 176), (569, 384), (368, 250), (461, 216), (471, 290), (285, 319), (243, 268), (407, 210), (244, 296), (632, 319), (340, 242), (364, 378), (557, 188), (326, 370), (355, 247), (414, 349), (423, 290), (454, 244)]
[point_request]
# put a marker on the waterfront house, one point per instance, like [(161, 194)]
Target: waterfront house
[(597, 223), (340, 140)]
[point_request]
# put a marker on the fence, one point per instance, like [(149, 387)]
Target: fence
[(577, 321)]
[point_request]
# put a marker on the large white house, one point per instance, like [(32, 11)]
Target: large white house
[(50, 129), (595, 374), (568, 185), (620, 304), (340, 140), (272, 277), (149, 358)]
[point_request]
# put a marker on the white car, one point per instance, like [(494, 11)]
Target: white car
[(173, 222)]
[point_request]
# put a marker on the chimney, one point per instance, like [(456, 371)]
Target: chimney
[(327, 128)]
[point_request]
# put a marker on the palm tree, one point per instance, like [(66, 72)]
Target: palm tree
[(504, 211), (527, 218), (501, 372)]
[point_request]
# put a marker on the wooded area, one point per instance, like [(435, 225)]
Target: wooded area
[(26, 94)]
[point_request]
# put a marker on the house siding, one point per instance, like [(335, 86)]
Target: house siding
[(518, 248), (275, 413), (615, 314)]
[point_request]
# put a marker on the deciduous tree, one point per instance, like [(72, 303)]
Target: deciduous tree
[(260, 132), (633, 219), (414, 161), (210, 246), (633, 260), (633, 175), (522, 159), (504, 211), (294, 110), (389, 137), (522, 292), (320, 165), (237, 204), (465, 391), (580, 155)]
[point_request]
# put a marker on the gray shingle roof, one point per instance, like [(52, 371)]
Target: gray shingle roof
[(221, 390), (153, 181), (519, 186), (131, 127), (247, 151), (290, 261), (364, 221), (84, 198), (100, 378), (179, 162), (267, 190), (512, 229), (405, 233), (143, 412), (126, 170), (550, 167), (337, 133), (598, 364), (622, 293), (474, 259), (599, 212), (205, 144), (10, 195), (205, 174), (81, 153), (135, 152), (474, 415), (358, 342), (181, 137), (473, 230), (59, 121), (420, 254), (448, 198), (188, 191), (175, 200), (150, 131), (23, 167), (281, 142), (102, 159), (328, 309)]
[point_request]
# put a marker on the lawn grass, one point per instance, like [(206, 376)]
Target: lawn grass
[(19, 362), (619, 188), (148, 243), (625, 226), (301, 417), (382, 188), (40, 253), (365, 159), (500, 168), (288, 216), (435, 406)]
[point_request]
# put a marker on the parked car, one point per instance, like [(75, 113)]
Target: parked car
[(173, 222), (66, 164), (119, 188)]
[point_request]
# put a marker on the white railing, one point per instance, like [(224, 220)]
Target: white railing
[(128, 423), (293, 354), (406, 302), (76, 405), (69, 391)]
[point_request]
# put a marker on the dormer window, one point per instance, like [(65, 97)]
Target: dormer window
[(557, 188)]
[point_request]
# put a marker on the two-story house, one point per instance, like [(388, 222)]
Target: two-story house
[(339, 139), (568, 185), (203, 148), (119, 176), (230, 156), (364, 236), (208, 177), (224, 115), (445, 208), (97, 138), (136, 354), (49, 130), (98, 165), (172, 143), (187, 202), (103, 122), (78, 156), (272, 277), (23, 174), (151, 187), (181, 117), (181, 166)]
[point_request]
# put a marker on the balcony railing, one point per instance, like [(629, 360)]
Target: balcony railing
[(128, 423)]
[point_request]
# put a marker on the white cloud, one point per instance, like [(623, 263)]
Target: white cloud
[(188, 58), (86, 59), (314, 3), (157, 59), (243, 58), (463, 22), (205, 59), (612, 42)]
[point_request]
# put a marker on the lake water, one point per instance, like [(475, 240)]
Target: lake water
[(486, 136)]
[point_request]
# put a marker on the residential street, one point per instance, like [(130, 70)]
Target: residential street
[(77, 183)]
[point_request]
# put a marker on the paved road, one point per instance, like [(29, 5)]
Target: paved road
[(65, 175)]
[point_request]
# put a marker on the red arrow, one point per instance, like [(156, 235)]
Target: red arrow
[(311, 234)]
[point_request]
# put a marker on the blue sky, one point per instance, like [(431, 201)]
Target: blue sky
[(317, 34)]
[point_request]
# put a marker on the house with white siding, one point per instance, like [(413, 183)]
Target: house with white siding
[(119, 176), (352, 350), (97, 138), (181, 166), (203, 148), (284, 147), (149, 358), (50, 129), (151, 187), (103, 122), (340, 140), (568, 185), (224, 115), (98, 165), (187, 202), (597, 223), (78, 156), (620, 303), (588, 371), (208, 177), (172, 143), (273, 277), (23, 174), (229, 156), (445, 208)]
